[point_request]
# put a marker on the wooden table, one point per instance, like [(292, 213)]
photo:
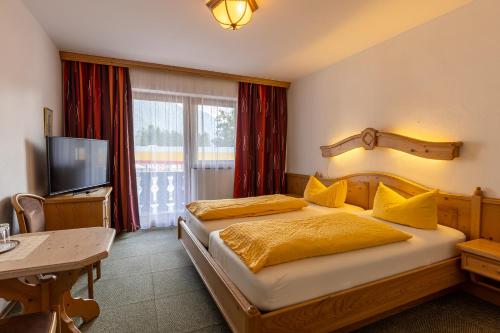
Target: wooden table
[(64, 253)]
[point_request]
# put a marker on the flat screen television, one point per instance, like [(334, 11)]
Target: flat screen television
[(76, 164)]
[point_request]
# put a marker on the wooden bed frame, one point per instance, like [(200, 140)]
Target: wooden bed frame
[(349, 309)]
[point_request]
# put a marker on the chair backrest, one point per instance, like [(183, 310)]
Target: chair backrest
[(29, 211)]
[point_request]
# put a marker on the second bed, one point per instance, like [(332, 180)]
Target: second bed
[(278, 286), (202, 229)]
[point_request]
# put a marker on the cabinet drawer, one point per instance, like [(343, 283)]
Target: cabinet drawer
[(481, 266)]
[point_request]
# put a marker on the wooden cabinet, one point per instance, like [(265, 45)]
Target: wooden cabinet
[(481, 258), (82, 210), (481, 265)]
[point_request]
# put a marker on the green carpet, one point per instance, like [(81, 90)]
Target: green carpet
[(149, 285)]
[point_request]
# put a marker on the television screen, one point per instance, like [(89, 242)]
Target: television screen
[(76, 164)]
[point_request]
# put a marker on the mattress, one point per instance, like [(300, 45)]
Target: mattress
[(202, 229), (294, 282)]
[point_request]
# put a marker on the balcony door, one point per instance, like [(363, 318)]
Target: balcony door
[(184, 150)]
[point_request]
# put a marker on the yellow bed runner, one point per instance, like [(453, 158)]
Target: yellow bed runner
[(266, 243), (254, 206)]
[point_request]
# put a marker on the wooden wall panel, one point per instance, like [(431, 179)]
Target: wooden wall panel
[(295, 183), (490, 219)]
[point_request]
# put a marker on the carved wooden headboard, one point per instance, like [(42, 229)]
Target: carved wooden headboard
[(474, 215)]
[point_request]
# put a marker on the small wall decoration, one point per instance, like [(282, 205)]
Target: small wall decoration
[(48, 117), (370, 138)]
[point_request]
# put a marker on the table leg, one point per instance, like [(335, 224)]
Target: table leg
[(66, 305), (66, 324), (55, 296), (88, 309)]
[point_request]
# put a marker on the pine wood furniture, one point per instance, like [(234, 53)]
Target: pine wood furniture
[(82, 210), (481, 258), (41, 322), (349, 309), (370, 138), (64, 254), (31, 218)]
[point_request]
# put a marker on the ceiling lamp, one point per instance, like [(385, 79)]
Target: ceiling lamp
[(232, 14)]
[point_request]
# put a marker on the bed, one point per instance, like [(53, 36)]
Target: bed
[(350, 289), (202, 229), (281, 285)]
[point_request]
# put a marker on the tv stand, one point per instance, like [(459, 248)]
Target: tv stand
[(87, 192), (86, 209)]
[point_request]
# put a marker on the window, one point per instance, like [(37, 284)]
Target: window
[(184, 150), (215, 135)]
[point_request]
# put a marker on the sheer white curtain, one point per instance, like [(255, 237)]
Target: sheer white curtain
[(184, 128)]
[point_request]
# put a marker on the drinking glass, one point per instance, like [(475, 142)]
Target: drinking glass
[(5, 232)]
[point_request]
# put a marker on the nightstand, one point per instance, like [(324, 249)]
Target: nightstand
[(481, 258)]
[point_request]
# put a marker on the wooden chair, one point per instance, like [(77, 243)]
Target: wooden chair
[(40, 322), (31, 218)]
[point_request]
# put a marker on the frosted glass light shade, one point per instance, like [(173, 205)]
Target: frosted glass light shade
[(232, 14)]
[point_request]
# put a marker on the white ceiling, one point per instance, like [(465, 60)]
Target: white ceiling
[(285, 40)]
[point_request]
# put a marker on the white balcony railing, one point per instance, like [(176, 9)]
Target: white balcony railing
[(162, 197)]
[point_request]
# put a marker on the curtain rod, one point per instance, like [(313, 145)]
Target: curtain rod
[(71, 56)]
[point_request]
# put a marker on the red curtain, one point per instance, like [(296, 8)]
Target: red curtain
[(97, 104), (260, 140)]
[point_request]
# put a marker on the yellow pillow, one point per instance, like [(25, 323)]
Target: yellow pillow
[(419, 211), (331, 196)]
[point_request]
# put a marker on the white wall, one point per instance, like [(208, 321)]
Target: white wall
[(439, 81), (30, 79)]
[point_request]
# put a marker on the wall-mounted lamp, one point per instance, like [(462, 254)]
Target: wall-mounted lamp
[(371, 138)]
